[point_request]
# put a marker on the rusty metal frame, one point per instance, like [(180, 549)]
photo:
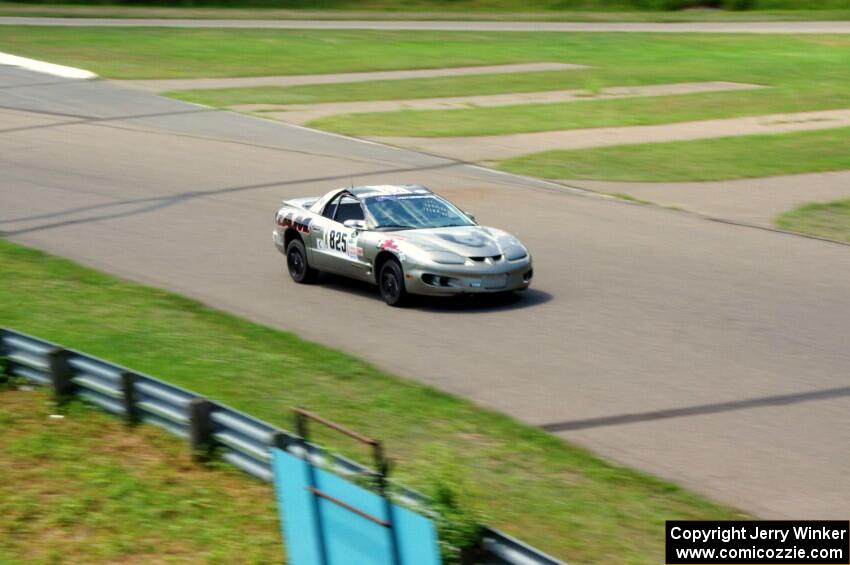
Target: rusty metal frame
[(302, 416)]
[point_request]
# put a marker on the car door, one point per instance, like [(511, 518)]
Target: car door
[(335, 246)]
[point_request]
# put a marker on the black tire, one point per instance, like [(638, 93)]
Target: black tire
[(391, 283), (296, 262)]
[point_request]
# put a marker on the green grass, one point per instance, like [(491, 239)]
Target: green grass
[(86, 489), (549, 493), (830, 220), (579, 114), (702, 160), (186, 53), (802, 73), (792, 65), (407, 89)]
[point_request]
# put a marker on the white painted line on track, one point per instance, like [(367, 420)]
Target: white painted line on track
[(43, 67)]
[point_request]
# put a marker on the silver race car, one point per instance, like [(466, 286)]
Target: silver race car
[(405, 239)]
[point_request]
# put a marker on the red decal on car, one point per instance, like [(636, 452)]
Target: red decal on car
[(305, 225)]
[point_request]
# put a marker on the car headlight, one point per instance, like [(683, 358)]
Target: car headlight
[(447, 258), (515, 252)]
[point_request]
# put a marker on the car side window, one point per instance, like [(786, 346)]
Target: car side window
[(349, 209), (330, 208)]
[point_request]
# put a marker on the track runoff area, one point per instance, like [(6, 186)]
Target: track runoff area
[(758, 542)]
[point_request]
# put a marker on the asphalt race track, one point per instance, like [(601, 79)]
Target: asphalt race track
[(712, 354)]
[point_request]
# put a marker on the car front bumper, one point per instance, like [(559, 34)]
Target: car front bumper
[(445, 280)]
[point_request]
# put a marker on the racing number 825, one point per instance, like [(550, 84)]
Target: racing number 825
[(337, 241)]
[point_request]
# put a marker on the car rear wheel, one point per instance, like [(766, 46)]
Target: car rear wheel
[(296, 261), (391, 283)]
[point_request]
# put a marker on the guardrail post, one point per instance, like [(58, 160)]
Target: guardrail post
[(60, 375), (129, 399), (5, 370), (199, 424), (281, 441)]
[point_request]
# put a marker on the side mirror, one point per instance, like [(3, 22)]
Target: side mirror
[(470, 215), (359, 225)]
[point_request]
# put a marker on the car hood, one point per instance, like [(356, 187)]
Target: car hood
[(466, 241)]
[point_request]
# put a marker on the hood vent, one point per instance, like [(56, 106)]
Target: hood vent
[(482, 259)]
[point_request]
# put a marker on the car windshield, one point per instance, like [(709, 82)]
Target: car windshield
[(414, 211)]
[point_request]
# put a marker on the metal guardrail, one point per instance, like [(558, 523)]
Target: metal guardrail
[(240, 439)]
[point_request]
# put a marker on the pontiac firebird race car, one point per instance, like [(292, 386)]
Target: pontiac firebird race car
[(405, 239)]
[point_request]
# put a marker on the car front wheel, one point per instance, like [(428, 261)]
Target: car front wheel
[(391, 283)]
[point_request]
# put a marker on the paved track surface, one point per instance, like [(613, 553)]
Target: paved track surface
[(712, 354), (689, 27)]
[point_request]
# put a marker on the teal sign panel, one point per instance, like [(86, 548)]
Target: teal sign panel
[(327, 520)]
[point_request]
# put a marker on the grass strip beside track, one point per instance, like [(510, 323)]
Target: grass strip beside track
[(406, 89), (702, 160), (87, 489), (508, 10), (830, 220), (553, 495), (806, 72), (617, 59), (128, 53), (802, 72), (639, 111)]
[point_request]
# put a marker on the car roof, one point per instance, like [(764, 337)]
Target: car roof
[(387, 190)]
